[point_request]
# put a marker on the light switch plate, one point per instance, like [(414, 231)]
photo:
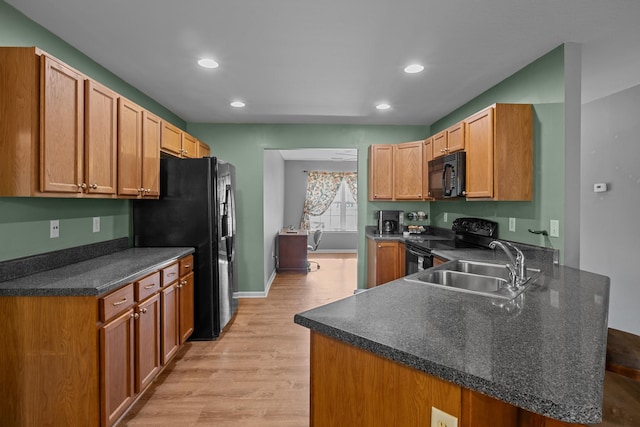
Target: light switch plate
[(554, 228), (512, 224), (96, 224), (445, 217)]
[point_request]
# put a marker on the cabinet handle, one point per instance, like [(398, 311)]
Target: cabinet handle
[(120, 302), (171, 274), (82, 186), (94, 186), (143, 310), (147, 190), (150, 286), (135, 315), (187, 266), (140, 190)]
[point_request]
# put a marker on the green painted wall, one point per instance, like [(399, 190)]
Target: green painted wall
[(24, 222), (243, 145), (541, 83)]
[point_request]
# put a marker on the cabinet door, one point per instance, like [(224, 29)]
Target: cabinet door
[(117, 367), (171, 139), (151, 130), (479, 146), (147, 341), (101, 140), (407, 171), (455, 138), (427, 155), (129, 148), (186, 307), (203, 150), (189, 146), (387, 262), (381, 172), (439, 144), (61, 128), (170, 320)]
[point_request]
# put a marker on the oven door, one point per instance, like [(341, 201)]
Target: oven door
[(417, 259)]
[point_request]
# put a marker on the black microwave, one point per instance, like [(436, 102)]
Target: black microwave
[(446, 176)]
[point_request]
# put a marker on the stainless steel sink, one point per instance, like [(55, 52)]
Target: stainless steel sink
[(481, 278), (486, 269), (466, 281)]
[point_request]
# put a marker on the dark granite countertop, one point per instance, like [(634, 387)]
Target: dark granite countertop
[(96, 276), (545, 353)]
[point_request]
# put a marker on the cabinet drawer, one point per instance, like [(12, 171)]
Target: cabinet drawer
[(186, 265), (170, 274), (116, 302), (147, 286)]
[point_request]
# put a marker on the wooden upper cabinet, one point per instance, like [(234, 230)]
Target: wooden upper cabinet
[(455, 138), (449, 140), (203, 150), (151, 133), (129, 148), (101, 139), (427, 155), (171, 139), (439, 144), (189, 146), (479, 179), (408, 171), (499, 145), (61, 128), (380, 172)]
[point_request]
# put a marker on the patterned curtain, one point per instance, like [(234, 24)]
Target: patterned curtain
[(322, 188), (351, 179)]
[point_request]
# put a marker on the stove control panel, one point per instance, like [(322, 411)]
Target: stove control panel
[(475, 226)]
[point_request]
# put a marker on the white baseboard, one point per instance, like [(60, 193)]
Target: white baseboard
[(259, 294)]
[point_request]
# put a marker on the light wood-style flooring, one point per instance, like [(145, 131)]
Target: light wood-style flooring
[(257, 373)]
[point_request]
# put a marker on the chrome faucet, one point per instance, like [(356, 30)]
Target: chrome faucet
[(517, 268)]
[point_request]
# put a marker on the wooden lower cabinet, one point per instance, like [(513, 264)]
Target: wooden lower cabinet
[(148, 342), (385, 261), (117, 352), (170, 322), (186, 296), (82, 360), (353, 387)]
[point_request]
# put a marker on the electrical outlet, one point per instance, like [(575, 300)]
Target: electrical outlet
[(54, 229), (96, 224), (442, 419), (445, 217), (554, 228), (512, 224)]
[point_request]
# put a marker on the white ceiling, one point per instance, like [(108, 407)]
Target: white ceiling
[(331, 61)]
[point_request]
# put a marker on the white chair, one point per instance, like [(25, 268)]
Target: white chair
[(317, 235)]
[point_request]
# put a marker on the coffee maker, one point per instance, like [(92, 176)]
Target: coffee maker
[(389, 222)]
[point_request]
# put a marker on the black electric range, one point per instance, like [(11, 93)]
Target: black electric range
[(466, 233)]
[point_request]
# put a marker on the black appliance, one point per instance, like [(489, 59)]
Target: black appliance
[(417, 258), (196, 208), (447, 176), (389, 222), (465, 233)]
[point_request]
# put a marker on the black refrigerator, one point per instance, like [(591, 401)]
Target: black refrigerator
[(196, 208)]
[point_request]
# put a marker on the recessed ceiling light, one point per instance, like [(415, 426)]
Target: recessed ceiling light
[(237, 104), (413, 68), (383, 106), (208, 63)]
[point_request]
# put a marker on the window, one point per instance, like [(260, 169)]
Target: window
[(342, 215)]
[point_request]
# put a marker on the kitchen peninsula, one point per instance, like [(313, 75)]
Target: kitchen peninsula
[(386, 355)]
